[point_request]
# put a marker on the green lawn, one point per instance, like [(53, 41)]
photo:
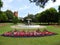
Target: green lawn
[(48, 40)]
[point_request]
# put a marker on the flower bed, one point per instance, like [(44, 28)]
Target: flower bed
[(36, 33)]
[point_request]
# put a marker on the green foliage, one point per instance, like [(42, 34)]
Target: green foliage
[(59, 14), (6, 16), (49, 15), (59, 18), (40, 3), (59, 8), (31, 16), (9, 15), (15, 20), (1, 4), (3, 16)]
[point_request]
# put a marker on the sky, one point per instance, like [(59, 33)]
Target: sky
[(24, 7)]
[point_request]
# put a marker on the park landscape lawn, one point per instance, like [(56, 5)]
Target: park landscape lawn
[(47, 40)]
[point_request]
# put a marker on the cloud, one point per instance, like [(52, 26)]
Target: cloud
[(6, 4), (24, 7), (7, 1), (19, 0)]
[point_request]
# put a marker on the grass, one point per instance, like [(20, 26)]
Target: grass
[(48, 40)]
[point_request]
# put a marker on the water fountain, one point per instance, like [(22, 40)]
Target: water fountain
[(28, 26)]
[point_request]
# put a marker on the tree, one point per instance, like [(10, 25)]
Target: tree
[(31, 16), (1, 4), (37, 16), (41, 17), (15, 20), (49, 15), (9, 14), (59, 8), (52, 15), (40, 3), (59, 14), (3, 17)]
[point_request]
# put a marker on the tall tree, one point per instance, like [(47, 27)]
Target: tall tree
[(1, 4), (59, 14), (59, 8), (3, 16), (49, 15), (40, 3), (52, 15), (15, 20), (9, 14)]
